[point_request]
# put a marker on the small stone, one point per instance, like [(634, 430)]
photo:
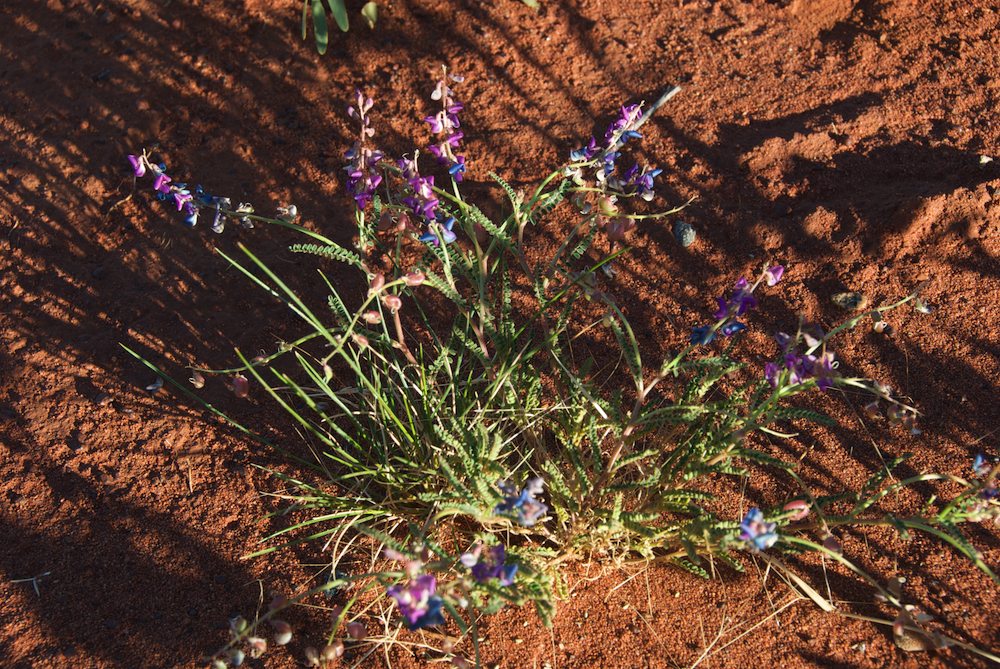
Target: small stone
[(684, 233), (850, 301)]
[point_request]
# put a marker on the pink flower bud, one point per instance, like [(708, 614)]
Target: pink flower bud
[(197, 380), (278, 601), (619, 228), (357, 630), (392, 302), (376, 283), (360, 340), (312, 656), (799, 507), (831, 544), (372, 317)]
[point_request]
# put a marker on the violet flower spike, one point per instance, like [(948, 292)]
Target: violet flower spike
[(444, 125), (363, 177), (759, 534)]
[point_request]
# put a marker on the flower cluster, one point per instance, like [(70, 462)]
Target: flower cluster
[(362, 173), (605, 156), (741, 301), (444, 124), (523, 507), (190, 201), (420, 196), (801, 367), (490, 565), (759, 534)]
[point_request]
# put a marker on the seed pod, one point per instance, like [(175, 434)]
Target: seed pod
[(392, 302), (376, 284), (238, 625), (236, 657), (312, 656), (414, 278), (360, 340), (332, 651), (831, 544), (240, 386), (257, 646), (372, 317), (278, 601), (356, 630), (282, 632), (606, 206), (197, 380)]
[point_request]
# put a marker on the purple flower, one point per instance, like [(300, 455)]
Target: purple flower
[(741, 302), (623, 127), (585, 153), (802, 367), (138, 165), (447, 236), (444, 124), (522, 506), (490, 566), (182, 197), (760, 535), (161, 183), (773, 274), (418, 602)]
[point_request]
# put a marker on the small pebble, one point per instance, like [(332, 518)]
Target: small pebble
[(684, 233), (850, 301)]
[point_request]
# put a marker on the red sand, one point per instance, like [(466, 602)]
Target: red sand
[(840, 138)]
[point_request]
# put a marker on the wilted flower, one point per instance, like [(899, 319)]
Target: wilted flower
[(418, 602), (522, 506), (760, 535)]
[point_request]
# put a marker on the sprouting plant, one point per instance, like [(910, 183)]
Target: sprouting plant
[(473, 427)]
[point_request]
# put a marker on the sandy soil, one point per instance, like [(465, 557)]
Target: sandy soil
[(841, 138)]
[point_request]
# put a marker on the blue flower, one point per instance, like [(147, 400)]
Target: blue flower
[(702, 334), (522, 506), (731, 328), (447, 236), (760, 535)]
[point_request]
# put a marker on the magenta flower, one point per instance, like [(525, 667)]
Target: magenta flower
[(138, 165)]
